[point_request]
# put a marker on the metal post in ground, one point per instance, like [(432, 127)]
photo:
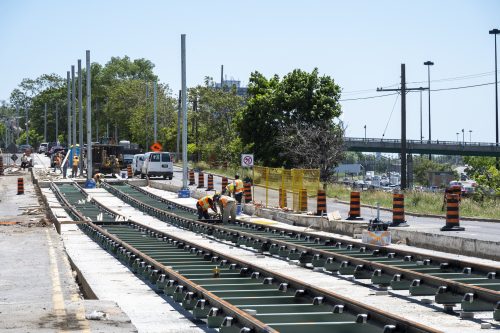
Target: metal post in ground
[(68, 101), (80, 116), (184, 192), (73, 107), (57, 124), (89, 118), (154, 110), (27, 125), (45, 124)]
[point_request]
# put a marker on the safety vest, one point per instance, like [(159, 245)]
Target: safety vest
[(230, 188), (75, 161), (205, 202), (239, 186), (225, 199)]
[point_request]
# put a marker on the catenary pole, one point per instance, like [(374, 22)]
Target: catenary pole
[(69, 108), (184, 113), (73, 107), (89, 118), (80, 116), (57, 124), (179, 125), (45, 124), (27, 125), (154, 109), (17, 121)]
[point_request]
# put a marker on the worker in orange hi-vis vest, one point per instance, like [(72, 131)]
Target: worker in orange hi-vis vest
[(205, 203), (238, 188), (227, 206)]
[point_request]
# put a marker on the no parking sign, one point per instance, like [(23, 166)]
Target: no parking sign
[(247, 160)]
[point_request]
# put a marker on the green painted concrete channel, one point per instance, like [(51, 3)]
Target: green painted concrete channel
[(269, 239), (282, 306)]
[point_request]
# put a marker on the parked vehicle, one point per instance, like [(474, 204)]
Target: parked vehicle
[(43, 147), (24, 149), (137, 162), (54, 149), (157, 164)]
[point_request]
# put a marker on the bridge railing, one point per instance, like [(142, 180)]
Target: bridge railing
[(419, 142)]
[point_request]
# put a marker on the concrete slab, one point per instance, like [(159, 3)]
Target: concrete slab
[(399, 303)]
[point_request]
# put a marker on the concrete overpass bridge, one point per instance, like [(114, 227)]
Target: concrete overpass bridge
[(436, 147)]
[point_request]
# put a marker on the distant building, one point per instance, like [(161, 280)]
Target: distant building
[(229, 84)]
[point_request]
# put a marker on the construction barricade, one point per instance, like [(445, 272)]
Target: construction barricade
[(20, 185), (223, 184), (210, 182), (191, 178), (247, 192), (321, 203), (355, 207), (201, 180), (398, 209), (129, 171), (293, 182), (452, 214)]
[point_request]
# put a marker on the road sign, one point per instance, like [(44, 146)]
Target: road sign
[(156, 147), (247, 160), (12, 148), (13, 157)]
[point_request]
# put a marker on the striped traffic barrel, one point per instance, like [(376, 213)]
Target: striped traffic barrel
[(303, 200), (355, 206), (129, 171), (201, 180), (191, 178), (247, 192), (223, 184), (457, 189), (321, 203), (398, 208), (282, 197), (210, 182), (452, 214), (20, 185)]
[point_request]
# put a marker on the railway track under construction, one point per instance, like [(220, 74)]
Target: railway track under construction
[(226, 292), (474, 286)]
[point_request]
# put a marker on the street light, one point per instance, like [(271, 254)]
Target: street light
[(429, 64), (495, 32), (470, 135), (365, 132), (463, 136), (457, 137)]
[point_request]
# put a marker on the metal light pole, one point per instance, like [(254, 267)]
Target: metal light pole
[(365, 132), (457, 137), (179, 103), (495, 32), (470, 135), (17, 121), (463, 136), (80, 116), (146, 116), (421, 134), (89, 119), (429, 64)]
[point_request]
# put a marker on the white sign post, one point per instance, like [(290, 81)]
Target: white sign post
[(246, 160)]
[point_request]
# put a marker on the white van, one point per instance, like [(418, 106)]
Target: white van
[(157, 164), (137, 162)]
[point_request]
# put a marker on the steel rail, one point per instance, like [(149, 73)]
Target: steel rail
[(465, 291), (226, 307), (389, 322)]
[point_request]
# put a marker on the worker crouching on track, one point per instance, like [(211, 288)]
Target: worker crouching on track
[(98, 179), (203, 204), (227, 206)]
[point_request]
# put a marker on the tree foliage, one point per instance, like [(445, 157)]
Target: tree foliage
[(422, 166), (274, 105), (483, 170)]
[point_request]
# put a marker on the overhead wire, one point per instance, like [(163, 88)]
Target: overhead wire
[(369, 97), (390, 116)]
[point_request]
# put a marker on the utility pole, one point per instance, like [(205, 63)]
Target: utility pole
[(179, 125), (68, 102), (73, 107), (17, 121), (421, 134), (154, 110), (45, 124), (195, 109), (146, 116), (403, 90), (429, 64), (89, 119), (80, 116)]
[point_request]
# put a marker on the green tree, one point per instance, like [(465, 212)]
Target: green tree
[(483, 170), (274, 105), (422, 166)]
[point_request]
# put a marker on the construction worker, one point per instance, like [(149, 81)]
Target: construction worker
[(74, 171), (227, 206), (98, 179), (229, 190), (238, 188), (203, 204)]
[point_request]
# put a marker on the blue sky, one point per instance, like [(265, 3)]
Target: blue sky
[(361, 44)]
